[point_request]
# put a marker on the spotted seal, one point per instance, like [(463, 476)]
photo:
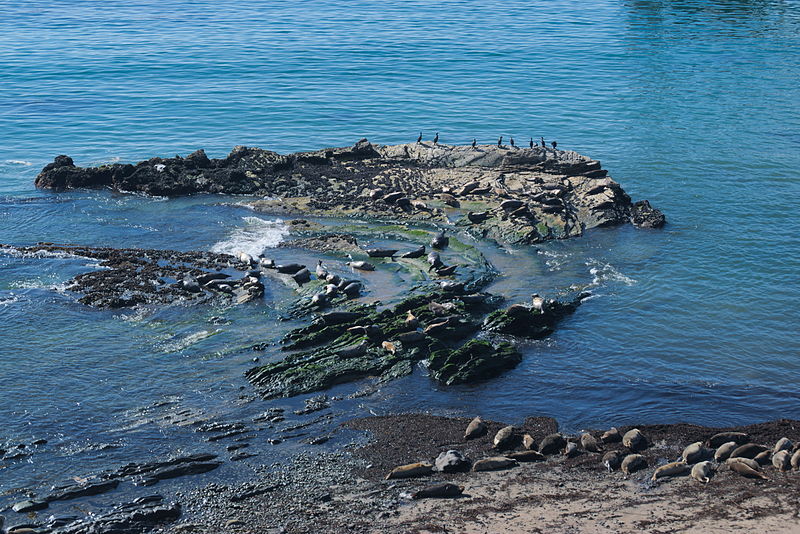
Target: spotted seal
[(702, 471), (475, 429), (673, 469)]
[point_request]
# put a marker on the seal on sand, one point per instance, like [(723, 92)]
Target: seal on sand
[(746, 469), (702, 471), (504, 437), (633, 463), (724, 437), (782, 460), (694, 453), (634, 440), (724, 451), (527, 456), (438, 490), (493, 463), (418, 469), (589, 443), (612, 460), (611, 435), (475, 429), (673, 469)]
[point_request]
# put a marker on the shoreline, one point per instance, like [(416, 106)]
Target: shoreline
[(345, 491)]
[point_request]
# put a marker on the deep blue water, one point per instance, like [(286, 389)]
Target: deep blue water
[(694, 105)]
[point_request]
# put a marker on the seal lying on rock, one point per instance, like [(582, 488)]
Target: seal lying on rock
[(782, 460), (419, 469), (748, 450), (438, 490), (589, 443), (634, 440), (494, 463), (527, 456), (795, 461), (417, 253), (723, 437), (612, 460), (694, 453), (504, 438), (552, 444), (748, 469), (783, 444), (611, 435)]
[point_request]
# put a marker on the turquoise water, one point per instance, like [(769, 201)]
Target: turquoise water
[(692, 105)]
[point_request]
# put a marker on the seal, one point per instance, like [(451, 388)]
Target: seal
[(612, 460), (528, 442), (450, 200), (763, 457), (446, 271), (411, 320), (673, 469), (477, 218), (331, 290), (633, 463), (411, 337), (782, 460), (451, 461), (475, 429), (381, 252), (352, 290), (783, 444), (589, 443), (435, 261), (748, 450), (339, 317), (419, 469), (320, 271), (702, 471), (494, 463), (361, 265), (634, 439), (611, 435), (391, 198), (302, 276), (571, 449), (440, 240), (724, 437), (334, 279), (795, 461), (748, 470), (438, 491), (552, 443), (527, 456), (320, 300), (724, 451), (389, 347), (694, 453), (469, 188), (289, 268), (504, 438), (353, 351), (511, 205), (416, 253)]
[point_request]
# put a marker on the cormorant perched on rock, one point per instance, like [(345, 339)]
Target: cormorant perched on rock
[(436, 138), (500, 141), (419, 139), (474, 142), (543, 145), (554, 145), (512, 142), (532, 143)]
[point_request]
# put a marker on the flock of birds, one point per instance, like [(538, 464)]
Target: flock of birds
[(700, 460), (513, 144)]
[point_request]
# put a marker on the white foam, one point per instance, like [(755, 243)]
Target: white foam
[(19, 162), (256, 235), (180, 344), (15, 252), (8, 301), (605, 272)]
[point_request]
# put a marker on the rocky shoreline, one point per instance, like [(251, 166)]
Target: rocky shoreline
[(415, 217)]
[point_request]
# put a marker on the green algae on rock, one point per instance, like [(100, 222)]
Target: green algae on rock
[(476, 360)]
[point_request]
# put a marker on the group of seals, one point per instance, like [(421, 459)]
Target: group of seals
[(531, 144)]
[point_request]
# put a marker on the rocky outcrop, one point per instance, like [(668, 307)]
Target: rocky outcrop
[(477, 360), (531, 322), (515, 195)]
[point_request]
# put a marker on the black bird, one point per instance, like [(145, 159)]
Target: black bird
[(474, 142), (512, 142), (543, 145), (436, 138), (554, 145), (500, 141), (532, 143), (419, 139)]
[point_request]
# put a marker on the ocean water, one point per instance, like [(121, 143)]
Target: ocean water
[(694, 105)]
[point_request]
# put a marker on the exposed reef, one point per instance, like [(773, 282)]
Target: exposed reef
[(513, 195)]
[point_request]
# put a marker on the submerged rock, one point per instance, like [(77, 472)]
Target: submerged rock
[(476, 360)]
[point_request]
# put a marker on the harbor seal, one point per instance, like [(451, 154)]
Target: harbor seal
[(694, 453), (634, 440), (438, 491), (303, 276), (435, 261), (440, 240), (334, 279), (446, 271), (748, 450), (361, 265), (477, 218), (381, 252), (320, 271), (494, 463), (419, 469), (527, 456), (528, 442), (783, 444), (552, 444), (633, 463), (724, 437), (475, 429), (504, 438), (411, 337), (511, 205), (611, 435), (612, 460), (571, 449), (289, 268), (589, 443), (389, 347), (352, 290), (782, 460), (763, 457), (702, 471), (416, 253), (795, 461), (748, 470), (724, 451), (673, 469)]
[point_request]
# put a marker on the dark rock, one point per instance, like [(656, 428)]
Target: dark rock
[(137, 517), (81, 490), (529, 322), (643, 215), (29, 506), (180, 470), (477, 360)]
